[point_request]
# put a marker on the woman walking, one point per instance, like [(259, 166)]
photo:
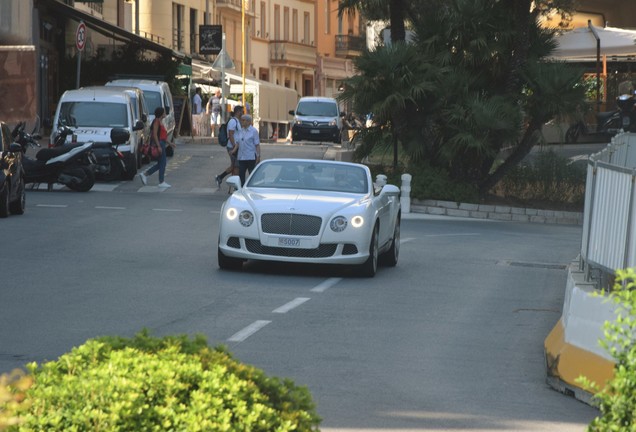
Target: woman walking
[(158, 134)]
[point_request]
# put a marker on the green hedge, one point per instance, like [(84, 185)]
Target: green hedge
[(168, 384)]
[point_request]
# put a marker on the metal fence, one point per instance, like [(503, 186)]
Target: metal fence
[(609, 218)]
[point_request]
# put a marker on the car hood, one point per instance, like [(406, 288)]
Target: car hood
[(304, 202), (318, 119)]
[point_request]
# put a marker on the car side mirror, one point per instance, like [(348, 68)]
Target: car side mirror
[(144, 118), (390, 190), (234, 181), (14, 147), (167, 110), (292, 112), (139, 125)]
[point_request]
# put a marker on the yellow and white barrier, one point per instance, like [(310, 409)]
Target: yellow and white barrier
[(572, 348)]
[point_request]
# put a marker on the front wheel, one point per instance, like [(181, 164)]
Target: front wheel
[(82, 180), (131, 166), (4, 199), (17, 207), (572, 134), (229, 263), (390, 257), (370, 266)]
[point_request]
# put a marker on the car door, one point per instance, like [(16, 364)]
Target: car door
[(383, 206)]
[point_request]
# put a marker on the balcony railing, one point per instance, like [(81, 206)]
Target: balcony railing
[(291, 53), (348, 46)]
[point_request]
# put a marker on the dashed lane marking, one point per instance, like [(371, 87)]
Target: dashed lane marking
[(322, 287), (52, 205), (248, 331), (291, 305), (110, 208)]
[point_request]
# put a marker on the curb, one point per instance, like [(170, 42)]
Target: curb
[(496, 212)]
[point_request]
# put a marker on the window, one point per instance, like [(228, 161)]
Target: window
[(276, 22), (94, 114), (327, 16), (295, 26), (306, 29), (263, 19), (286, 24)]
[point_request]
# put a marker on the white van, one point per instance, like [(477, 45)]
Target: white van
[(317, 119), (157, 94), (92, 113)]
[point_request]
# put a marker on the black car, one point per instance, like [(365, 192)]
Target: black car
[(12, 190)]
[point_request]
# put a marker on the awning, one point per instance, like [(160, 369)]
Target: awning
[(581, 44), (109, 30), (271, 102)]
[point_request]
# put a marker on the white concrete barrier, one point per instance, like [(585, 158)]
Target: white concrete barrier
[(572, 348)]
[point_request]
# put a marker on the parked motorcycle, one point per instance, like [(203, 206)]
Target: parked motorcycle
[(65, 165), (628, 112), (608, 124), (109, 162)]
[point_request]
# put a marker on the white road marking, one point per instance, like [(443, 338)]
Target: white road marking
[(52, 205), (203, 190), (105, 187), (322, 287), (452, 235), (110, 208), (152, 189), (406, 240), (248, 331), (291, 305), (167, 210)]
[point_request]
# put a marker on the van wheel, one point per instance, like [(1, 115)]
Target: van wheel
[(4, 199), (131, 166)]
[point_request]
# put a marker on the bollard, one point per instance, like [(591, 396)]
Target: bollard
[(380, 180), (405, 196)]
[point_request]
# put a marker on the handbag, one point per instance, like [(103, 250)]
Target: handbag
[(151, 150)]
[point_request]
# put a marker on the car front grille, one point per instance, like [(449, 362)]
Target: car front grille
[(322, 251), (291, 224)]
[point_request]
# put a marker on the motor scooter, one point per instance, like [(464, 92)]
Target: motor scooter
[(65, 165), (608, 124), (109, 162)]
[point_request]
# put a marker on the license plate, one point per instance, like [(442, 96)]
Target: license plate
[(288, 242), (315, 131)]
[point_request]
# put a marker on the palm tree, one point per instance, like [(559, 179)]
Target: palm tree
[(394, 10)]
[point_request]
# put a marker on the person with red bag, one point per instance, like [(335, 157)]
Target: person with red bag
[(158, 134)]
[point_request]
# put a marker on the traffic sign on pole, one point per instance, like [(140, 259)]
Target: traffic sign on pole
[(80, 36)]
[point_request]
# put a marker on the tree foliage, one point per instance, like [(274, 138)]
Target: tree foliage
[(472, 83), (617, 401)]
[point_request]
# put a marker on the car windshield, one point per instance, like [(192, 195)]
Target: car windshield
[(93, 114), (318, 109), (310, 176), (153, 100)]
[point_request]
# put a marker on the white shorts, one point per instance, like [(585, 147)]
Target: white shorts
[(215, 119)]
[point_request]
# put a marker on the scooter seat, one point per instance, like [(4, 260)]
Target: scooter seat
[(50, 153)]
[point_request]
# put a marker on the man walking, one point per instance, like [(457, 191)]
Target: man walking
[(249, 147)]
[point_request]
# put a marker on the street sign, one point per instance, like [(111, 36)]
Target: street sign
[(80, 36), (210, 39)]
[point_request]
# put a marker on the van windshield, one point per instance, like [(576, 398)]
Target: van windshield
[(153, 100), (93, 114), (318, 109)]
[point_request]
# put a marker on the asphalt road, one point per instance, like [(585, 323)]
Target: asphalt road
[(449, 340)]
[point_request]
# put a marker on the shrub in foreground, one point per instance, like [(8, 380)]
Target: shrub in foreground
[(617, 401), (168, 384)]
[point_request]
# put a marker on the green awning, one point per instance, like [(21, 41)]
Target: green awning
[(184, 69)]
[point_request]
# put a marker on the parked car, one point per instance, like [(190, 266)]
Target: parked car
[(12, 190), (310, 211), (157, 94), (317, 119), (93, 112)]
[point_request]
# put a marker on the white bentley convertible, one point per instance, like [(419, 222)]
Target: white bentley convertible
[(310, 211)]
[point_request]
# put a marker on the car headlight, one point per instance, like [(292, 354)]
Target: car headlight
[(333, 123), (357, 221), (338, 224), (246, 218)]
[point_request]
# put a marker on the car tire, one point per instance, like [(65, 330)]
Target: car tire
[(370, 266), (572, 134), (4, 199), (131, 166), (229, 263), (18, 206), (390, 257), (87, 179)]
